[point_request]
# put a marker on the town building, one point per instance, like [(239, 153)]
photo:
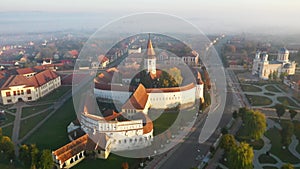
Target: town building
[(27, 84), (265, 68)]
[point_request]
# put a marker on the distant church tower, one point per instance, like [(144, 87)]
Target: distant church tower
[(256, 63), (150, 60), (283, 55)]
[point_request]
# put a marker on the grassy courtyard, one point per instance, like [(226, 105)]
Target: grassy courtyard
[(164, 122), (271, 88), (284, 154), (287, 101), (30, 123), (34, 109), (266, 159), (55, 94), (255, 100), (113, 161), (250, 88), (8, 119), (53, 133), (7, 131)]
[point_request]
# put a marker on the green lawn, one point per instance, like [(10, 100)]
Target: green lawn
[(53, 133), (250, 88), (33, 109), (283, 87), (9, 118), (55, 94), (266, 159), (284, 154), (112, 162), (7, 131), (258, 100), (163, 122), (30, 123), (287, 101), (12, 110), (272, 89)]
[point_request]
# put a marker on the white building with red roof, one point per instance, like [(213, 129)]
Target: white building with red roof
[(27, 84)]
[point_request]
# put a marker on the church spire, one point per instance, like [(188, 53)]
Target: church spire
[(150, 50), (150, 60)]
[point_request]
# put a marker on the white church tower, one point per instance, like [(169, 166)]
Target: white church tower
[(256, 62), (150, 60), (283, 55)]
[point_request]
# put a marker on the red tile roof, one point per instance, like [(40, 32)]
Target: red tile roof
[(17, 80), (149, 125), (44, 77), (138, 99), (23, 71), (85, 142), (37, 80), (150, 50), (69, 150)]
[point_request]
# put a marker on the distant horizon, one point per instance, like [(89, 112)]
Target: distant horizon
[(43, 21), (255, 16)]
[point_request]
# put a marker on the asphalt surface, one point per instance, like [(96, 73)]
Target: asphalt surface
[(190, 153)]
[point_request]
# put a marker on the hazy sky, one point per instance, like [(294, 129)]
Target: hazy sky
[(209, 15)]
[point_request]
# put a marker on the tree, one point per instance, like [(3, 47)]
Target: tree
[(287, 132), (280, 110), (34, 151), (7, 146), (287, 166), (282, 75), (255, 123), (207, 80), (29, 155), (224, 130), (241, 156), (275, 75), (227, 142), (45, 160), (175, 74), (242, 111), (24, 155), (293, 113), (270, 76), (235, 114), (1, 133)]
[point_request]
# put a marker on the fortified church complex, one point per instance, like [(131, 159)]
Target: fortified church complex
[(129, 127)]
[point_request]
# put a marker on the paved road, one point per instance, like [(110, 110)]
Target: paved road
[(17, 123), (187, 154)]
